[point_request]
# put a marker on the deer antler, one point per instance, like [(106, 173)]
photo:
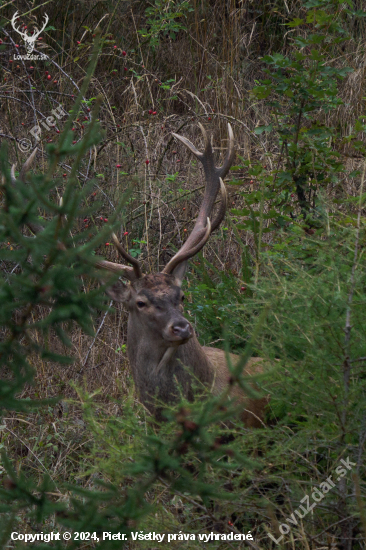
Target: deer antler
[(131, 273), (16, 16), (203, 228), (36, 34)]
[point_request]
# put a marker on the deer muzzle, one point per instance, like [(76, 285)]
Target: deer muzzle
[(178, 332)]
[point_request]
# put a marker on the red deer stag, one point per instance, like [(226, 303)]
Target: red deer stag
[(162, 347)]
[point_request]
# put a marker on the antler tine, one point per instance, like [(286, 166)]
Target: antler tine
[(223, 170), (135, 264), (28, 163), (131, 273), (177, 259), (14, 18), (222, 210), (189, 145), (213, 184), (44, 26), (24, 169), (125, 270), (12, 174)]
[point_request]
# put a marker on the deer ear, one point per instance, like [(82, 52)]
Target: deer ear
[(120, 292), (180, 271)]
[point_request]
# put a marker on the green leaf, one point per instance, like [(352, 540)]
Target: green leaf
[(295, 22), (261, 129)]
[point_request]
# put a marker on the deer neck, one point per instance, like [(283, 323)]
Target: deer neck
[(156, 370)]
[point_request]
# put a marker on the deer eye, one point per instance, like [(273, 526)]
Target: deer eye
[(183, 297), (140, 304)]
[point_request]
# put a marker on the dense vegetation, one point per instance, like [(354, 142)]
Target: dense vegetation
[(283, 278)]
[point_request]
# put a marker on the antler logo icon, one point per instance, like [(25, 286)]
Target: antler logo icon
[(29, 40)]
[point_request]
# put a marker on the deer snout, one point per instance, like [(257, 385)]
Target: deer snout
[(179, 331)]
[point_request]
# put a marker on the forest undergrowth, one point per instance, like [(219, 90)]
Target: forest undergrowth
[(283, 278)]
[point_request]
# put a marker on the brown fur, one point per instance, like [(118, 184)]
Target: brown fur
[(149, 330)]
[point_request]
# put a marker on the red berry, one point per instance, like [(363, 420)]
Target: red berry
[(162, 127), (58, 131), (105, 219), (10, 61), (243, 288), (209, 118), (124, 53), (64, 175), (40, 38), (150, 111), (16, 45), (125, 68), (74, 142), (85, 118), (125, 233), (88, 109), (185, 230), (49, 77), (86, 219), (55, 81), (147, 161), (118, 165), (154, 112), (78, 42), (184, 208), (22, 123), (114, 47), (73, 129), (107, 244)]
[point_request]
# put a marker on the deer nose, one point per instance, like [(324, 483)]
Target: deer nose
[(181, 329)]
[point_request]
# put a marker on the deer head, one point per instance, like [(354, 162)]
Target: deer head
[(29, 40), (155, 301)]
